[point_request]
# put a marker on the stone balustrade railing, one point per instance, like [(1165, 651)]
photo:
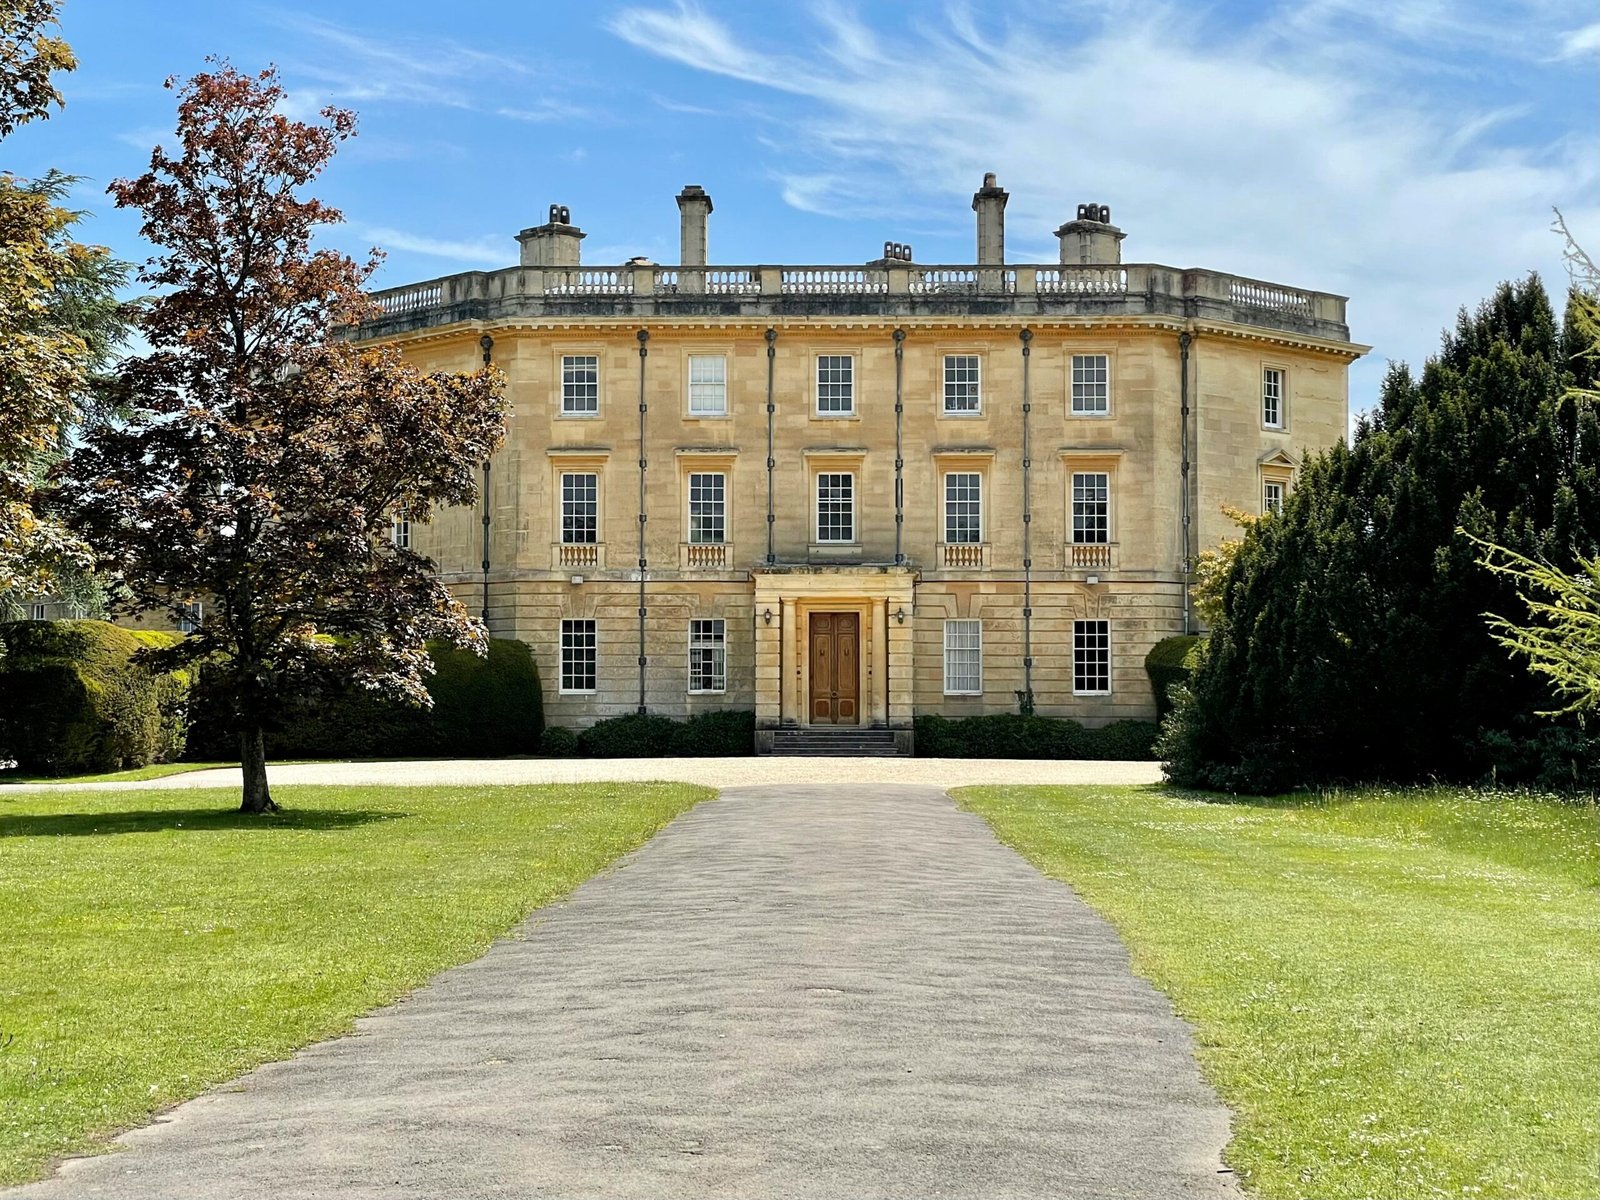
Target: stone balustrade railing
[(648, 289)]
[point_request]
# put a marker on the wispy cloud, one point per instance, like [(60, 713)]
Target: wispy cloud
[(1273, 149), (1580, 43), (484, 251), (345, 65)]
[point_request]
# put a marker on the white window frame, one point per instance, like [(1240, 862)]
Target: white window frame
[(949, 529), (563, 514), (1079, 674), (976, 384), (36, 612), (708, 397), (400, 531), (1271, 503), (721, 509), (1080, 387), (1274, 397), (193, 615), (569, 385), (570, 643), (709, 635), (1082, 498), (970, 629), (848, 384), (816, 491)]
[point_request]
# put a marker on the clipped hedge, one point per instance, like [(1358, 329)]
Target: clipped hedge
[(636, 735), (1009, 735), (73, 700), (482, 708), (1171, 662)]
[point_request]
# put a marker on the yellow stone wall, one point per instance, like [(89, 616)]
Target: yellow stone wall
[(1138, 443)]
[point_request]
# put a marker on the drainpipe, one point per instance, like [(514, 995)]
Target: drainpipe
[(899, 457), (644, 353), (487, 344), (1027, 531), (772, 354), (1184, 339)]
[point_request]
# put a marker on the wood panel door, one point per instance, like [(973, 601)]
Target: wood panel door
[(835, 669)]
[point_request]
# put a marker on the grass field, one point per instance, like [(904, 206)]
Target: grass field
[(1397, 994), (156, 943)]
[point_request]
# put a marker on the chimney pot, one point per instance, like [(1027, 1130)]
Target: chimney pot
[(989, 202), (694, 206), (553, 244), (1091, 239)]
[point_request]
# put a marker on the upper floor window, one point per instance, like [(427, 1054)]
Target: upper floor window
[(708, 508), (1272, 497), (1091, 658), (400, 531), (579, 656), (1091, 507), (836, 507), (708, 656), (963, 507), (192, 614), (580, 507), (580, 385), (1272, 397), (708, 385), (963, 658), (836, 384), (961, 387), (1091, 384)]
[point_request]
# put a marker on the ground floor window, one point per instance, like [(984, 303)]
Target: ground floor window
[(963, 658), (578, 656), (708, 656), (1091, 658)]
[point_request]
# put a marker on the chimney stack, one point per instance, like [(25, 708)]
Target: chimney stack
[(553, 244), (989, 202), (694, 206), (1091, 239)]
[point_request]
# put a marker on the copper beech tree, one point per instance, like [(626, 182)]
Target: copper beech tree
[(265, 456)]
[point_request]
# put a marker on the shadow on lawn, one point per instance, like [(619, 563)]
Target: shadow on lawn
[(201, 820)]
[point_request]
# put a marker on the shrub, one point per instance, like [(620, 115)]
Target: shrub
[(74, 700), (636, 735), (1171, 662), (729, 734), (558, 742), (1010, 735), (482, 708)]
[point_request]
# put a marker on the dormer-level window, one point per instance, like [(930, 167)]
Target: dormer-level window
[(1272, 397), (836, 385)]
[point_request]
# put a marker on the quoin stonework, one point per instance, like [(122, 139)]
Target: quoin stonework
[(848, 495)]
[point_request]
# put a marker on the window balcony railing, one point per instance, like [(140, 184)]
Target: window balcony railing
[(703, 555), (566, 555), (1091, 554), (969, 556)]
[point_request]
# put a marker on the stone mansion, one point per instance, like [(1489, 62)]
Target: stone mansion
[(848, 495)]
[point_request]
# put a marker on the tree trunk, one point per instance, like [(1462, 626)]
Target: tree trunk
[(253, 762)]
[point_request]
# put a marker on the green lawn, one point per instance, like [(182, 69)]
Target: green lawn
[(1397, 994), (154, 943)]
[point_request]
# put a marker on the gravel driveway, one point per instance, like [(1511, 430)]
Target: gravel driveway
[(713, 772), (840, 991)]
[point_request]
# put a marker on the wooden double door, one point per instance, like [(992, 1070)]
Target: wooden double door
[(835, 668)]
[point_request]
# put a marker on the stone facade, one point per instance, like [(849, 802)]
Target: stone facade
[(979, 398)]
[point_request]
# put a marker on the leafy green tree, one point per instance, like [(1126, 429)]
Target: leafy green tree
[(1351, 644), (60, 322), (261, 456)]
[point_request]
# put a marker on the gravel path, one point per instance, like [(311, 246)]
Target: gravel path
[(791, 991), (713, 772)]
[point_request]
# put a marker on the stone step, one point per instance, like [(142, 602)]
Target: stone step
[(838, 741)]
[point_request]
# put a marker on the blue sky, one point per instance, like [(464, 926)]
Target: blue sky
[(1405, 153)]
